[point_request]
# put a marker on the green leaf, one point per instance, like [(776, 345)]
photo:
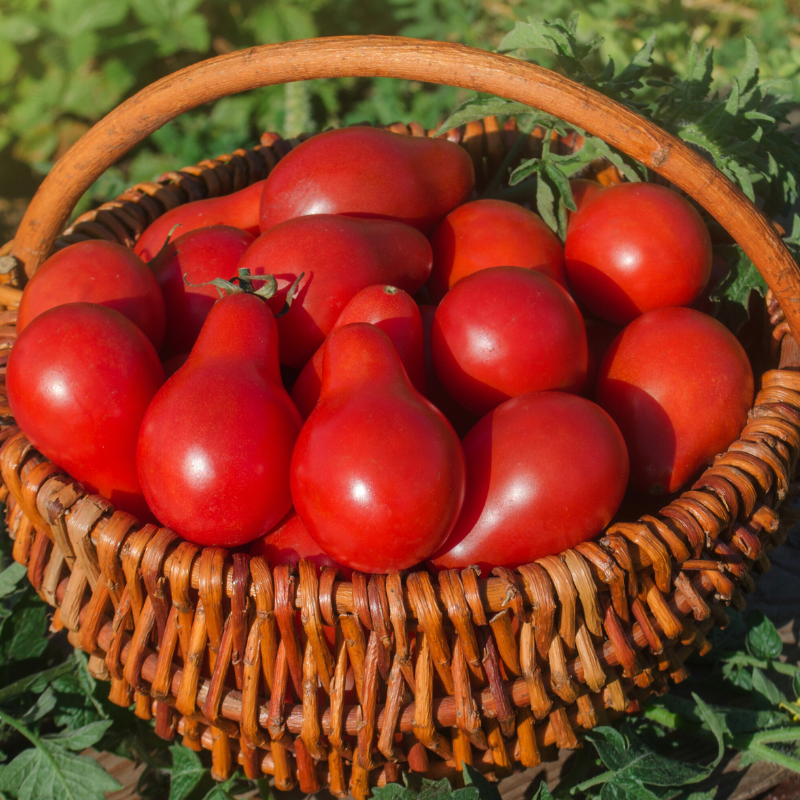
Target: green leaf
[(717, 725), (763, 639), (29, 628), (9, 61), (479, 106), (622, 788), (187, 772), (542, 792), (732, 297), (50, 771), (18, 29), (187, 33), (81, 738), (70, 18), (9, 580), (767, 690), (636, 762), (35, 683), (488, 790)]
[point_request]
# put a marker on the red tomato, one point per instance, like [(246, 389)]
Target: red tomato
[(368, 172), (377, 474), (583, 190), (636, 247), (288, 542), (238, 210), (79, 379), (396, 314), (338, 256), (545, 472), (492, 233), (215, 443), (97, 272), (200, 255), (506, 331), (679, 386)]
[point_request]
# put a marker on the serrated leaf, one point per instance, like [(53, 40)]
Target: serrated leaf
[(545, 203), (638, 763), (81, 738), (10, 578), (763, 639), (478, 107), (52, 772), (615, 157), (732, 297), (187, 772), (748, 72), (525, 36)]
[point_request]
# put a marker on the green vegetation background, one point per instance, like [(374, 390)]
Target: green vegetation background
[(65, 63)]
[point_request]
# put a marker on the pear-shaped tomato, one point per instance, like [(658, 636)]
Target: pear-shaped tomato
[(367, 172), (97, 272), (377, 472), (545, 471), (193, 259), (237, 210), (215, 443), (396, 314)]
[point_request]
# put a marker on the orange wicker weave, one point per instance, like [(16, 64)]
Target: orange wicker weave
[(446, 670)]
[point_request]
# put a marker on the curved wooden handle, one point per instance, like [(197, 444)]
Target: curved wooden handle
[(410, 59)]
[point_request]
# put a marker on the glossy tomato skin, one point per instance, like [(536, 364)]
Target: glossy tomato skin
[(338, 257), (545, 471), (377, 474), (288, 542), (635, 247), (215, 444), (371, 173), (679, 385), (200, 255), (396, 314), (506, 331), (97, 272), (80, 377), (237, 210), (492, 233)]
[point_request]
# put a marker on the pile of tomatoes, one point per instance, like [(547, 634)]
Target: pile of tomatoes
[(397, 373)]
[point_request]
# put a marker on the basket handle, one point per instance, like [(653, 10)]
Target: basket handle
[(410, 59)]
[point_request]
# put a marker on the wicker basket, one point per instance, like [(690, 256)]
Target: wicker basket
[(446, 671)]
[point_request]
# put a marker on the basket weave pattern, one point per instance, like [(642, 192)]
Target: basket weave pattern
[(425, 673)]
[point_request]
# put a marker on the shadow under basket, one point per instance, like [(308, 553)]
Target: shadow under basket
[(322, 682)]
